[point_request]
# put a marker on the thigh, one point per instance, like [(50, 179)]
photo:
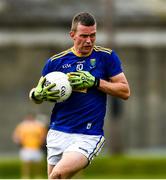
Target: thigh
[(70, 164), (49, 168), (56, 144)]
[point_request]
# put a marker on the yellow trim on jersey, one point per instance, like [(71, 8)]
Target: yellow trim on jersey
[(79, 55), (63, 53), (99, 48)]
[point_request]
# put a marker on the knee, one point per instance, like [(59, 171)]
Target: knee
[(55, 175), (58, 174)]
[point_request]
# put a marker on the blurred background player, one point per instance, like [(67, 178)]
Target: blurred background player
[(30, 136)]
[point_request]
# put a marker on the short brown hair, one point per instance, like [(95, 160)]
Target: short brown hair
[(83, 18)]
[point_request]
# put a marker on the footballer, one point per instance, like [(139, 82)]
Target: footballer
[(75, 133)]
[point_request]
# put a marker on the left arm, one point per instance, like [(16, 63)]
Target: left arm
[(116, 86)]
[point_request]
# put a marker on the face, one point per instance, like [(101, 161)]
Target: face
[(84, 38)]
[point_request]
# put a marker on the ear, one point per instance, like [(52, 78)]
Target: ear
[(72, 34)]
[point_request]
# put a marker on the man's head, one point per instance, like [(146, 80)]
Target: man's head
[(83, 18), (83, 33)]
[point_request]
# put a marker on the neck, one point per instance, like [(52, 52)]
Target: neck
[(77, 53)]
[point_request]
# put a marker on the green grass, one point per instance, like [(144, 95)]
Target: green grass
[(10, 168), (127, 167), (102, 167)]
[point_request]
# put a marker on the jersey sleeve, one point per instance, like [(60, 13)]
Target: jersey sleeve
[(114, 65), (47, 67)]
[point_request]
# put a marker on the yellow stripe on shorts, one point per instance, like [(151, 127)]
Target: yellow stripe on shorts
[(98, 147)]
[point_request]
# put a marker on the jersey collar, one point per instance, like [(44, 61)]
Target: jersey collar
[(79, 55)]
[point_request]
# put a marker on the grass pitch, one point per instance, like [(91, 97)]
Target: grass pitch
[(102, 167)]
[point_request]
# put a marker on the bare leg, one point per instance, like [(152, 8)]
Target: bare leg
[(69, 165), (37, 170), (26, 170)]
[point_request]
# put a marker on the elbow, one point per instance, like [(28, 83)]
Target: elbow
[(126, 95)]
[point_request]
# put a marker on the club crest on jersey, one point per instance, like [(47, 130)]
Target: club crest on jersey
[(93, 62)]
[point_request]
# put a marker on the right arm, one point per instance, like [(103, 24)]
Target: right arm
[(116, 86)]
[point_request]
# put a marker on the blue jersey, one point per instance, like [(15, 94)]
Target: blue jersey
[(83, 112)]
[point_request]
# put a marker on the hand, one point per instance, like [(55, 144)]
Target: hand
[(82, 80), (42, 93)]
